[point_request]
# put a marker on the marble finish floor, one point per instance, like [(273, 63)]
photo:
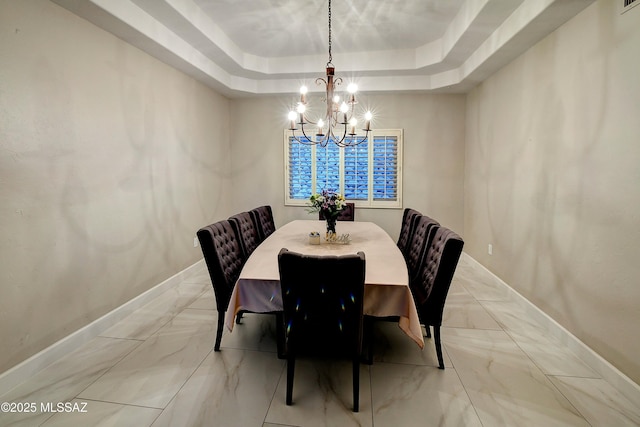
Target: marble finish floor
[(158, 368)]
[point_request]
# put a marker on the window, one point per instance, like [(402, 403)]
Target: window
[(368, 174)]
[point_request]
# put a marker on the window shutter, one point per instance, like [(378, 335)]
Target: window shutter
[(385, 168), (369, 174), (356, 172), (327, 167), (300, 176)]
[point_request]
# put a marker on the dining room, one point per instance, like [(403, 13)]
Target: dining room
[(113, 155)]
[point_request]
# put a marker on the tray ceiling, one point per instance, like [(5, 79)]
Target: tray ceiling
[(262, 47)]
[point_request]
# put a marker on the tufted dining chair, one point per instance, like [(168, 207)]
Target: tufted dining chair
[(263, 219), (421, 236), (422, 231), (224, 258), (346, 214), (247, 231), (323, 313), (431, 286), (405, 229)]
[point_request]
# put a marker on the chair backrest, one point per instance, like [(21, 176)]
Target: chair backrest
[(263, 220), (346, 214), (247, 232), (322, 293), (430, 291), (224, 258), (421, 235), (405, 229)]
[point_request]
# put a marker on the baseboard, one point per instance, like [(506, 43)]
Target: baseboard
[(24, 370), (599, 364)]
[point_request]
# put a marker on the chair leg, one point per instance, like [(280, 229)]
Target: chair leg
[(239, 317), (368, 334), (280, 338), (216, 347), (291, 364), (436, 334), (356, 383)]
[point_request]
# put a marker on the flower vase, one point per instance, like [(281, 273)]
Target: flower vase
[(331, 225)]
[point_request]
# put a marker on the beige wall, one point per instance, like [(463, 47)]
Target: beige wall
[(109, 162), (433, 156), (552, 175)]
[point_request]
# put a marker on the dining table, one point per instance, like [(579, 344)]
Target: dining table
[(386, 292)]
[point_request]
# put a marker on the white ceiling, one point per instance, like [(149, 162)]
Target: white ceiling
[(260, 47)]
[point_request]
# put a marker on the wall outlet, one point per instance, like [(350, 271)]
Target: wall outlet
[(490, 249), (195, 242)]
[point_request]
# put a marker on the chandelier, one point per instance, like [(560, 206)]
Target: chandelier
[(339, 122)]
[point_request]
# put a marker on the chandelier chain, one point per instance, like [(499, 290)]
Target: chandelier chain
[(340, 125), (329, 63)]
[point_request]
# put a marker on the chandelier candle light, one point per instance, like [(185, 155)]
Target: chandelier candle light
[(339, 120)]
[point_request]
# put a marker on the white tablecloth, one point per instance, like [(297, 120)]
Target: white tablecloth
[(386, 290)]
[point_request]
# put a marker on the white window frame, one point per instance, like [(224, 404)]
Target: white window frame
[(370, 202)]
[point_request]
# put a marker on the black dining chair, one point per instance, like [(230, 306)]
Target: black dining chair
[(245, 228), (247, 231), (322, 298), (405, 229), (423, 230), (224, 258), (263, 219), (421, 235), (431, 286), (348, 213)]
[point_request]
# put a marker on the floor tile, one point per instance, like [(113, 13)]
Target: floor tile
[(504, 385), (322, 396), (392, 345), (63, 380), (255, 332), (103, 414), (461, 310), (546, 351), (154, 372), (148, 319), (599, 402), (504, 366), (230, 388), (206, 300), (479, 283), (405, 395)]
